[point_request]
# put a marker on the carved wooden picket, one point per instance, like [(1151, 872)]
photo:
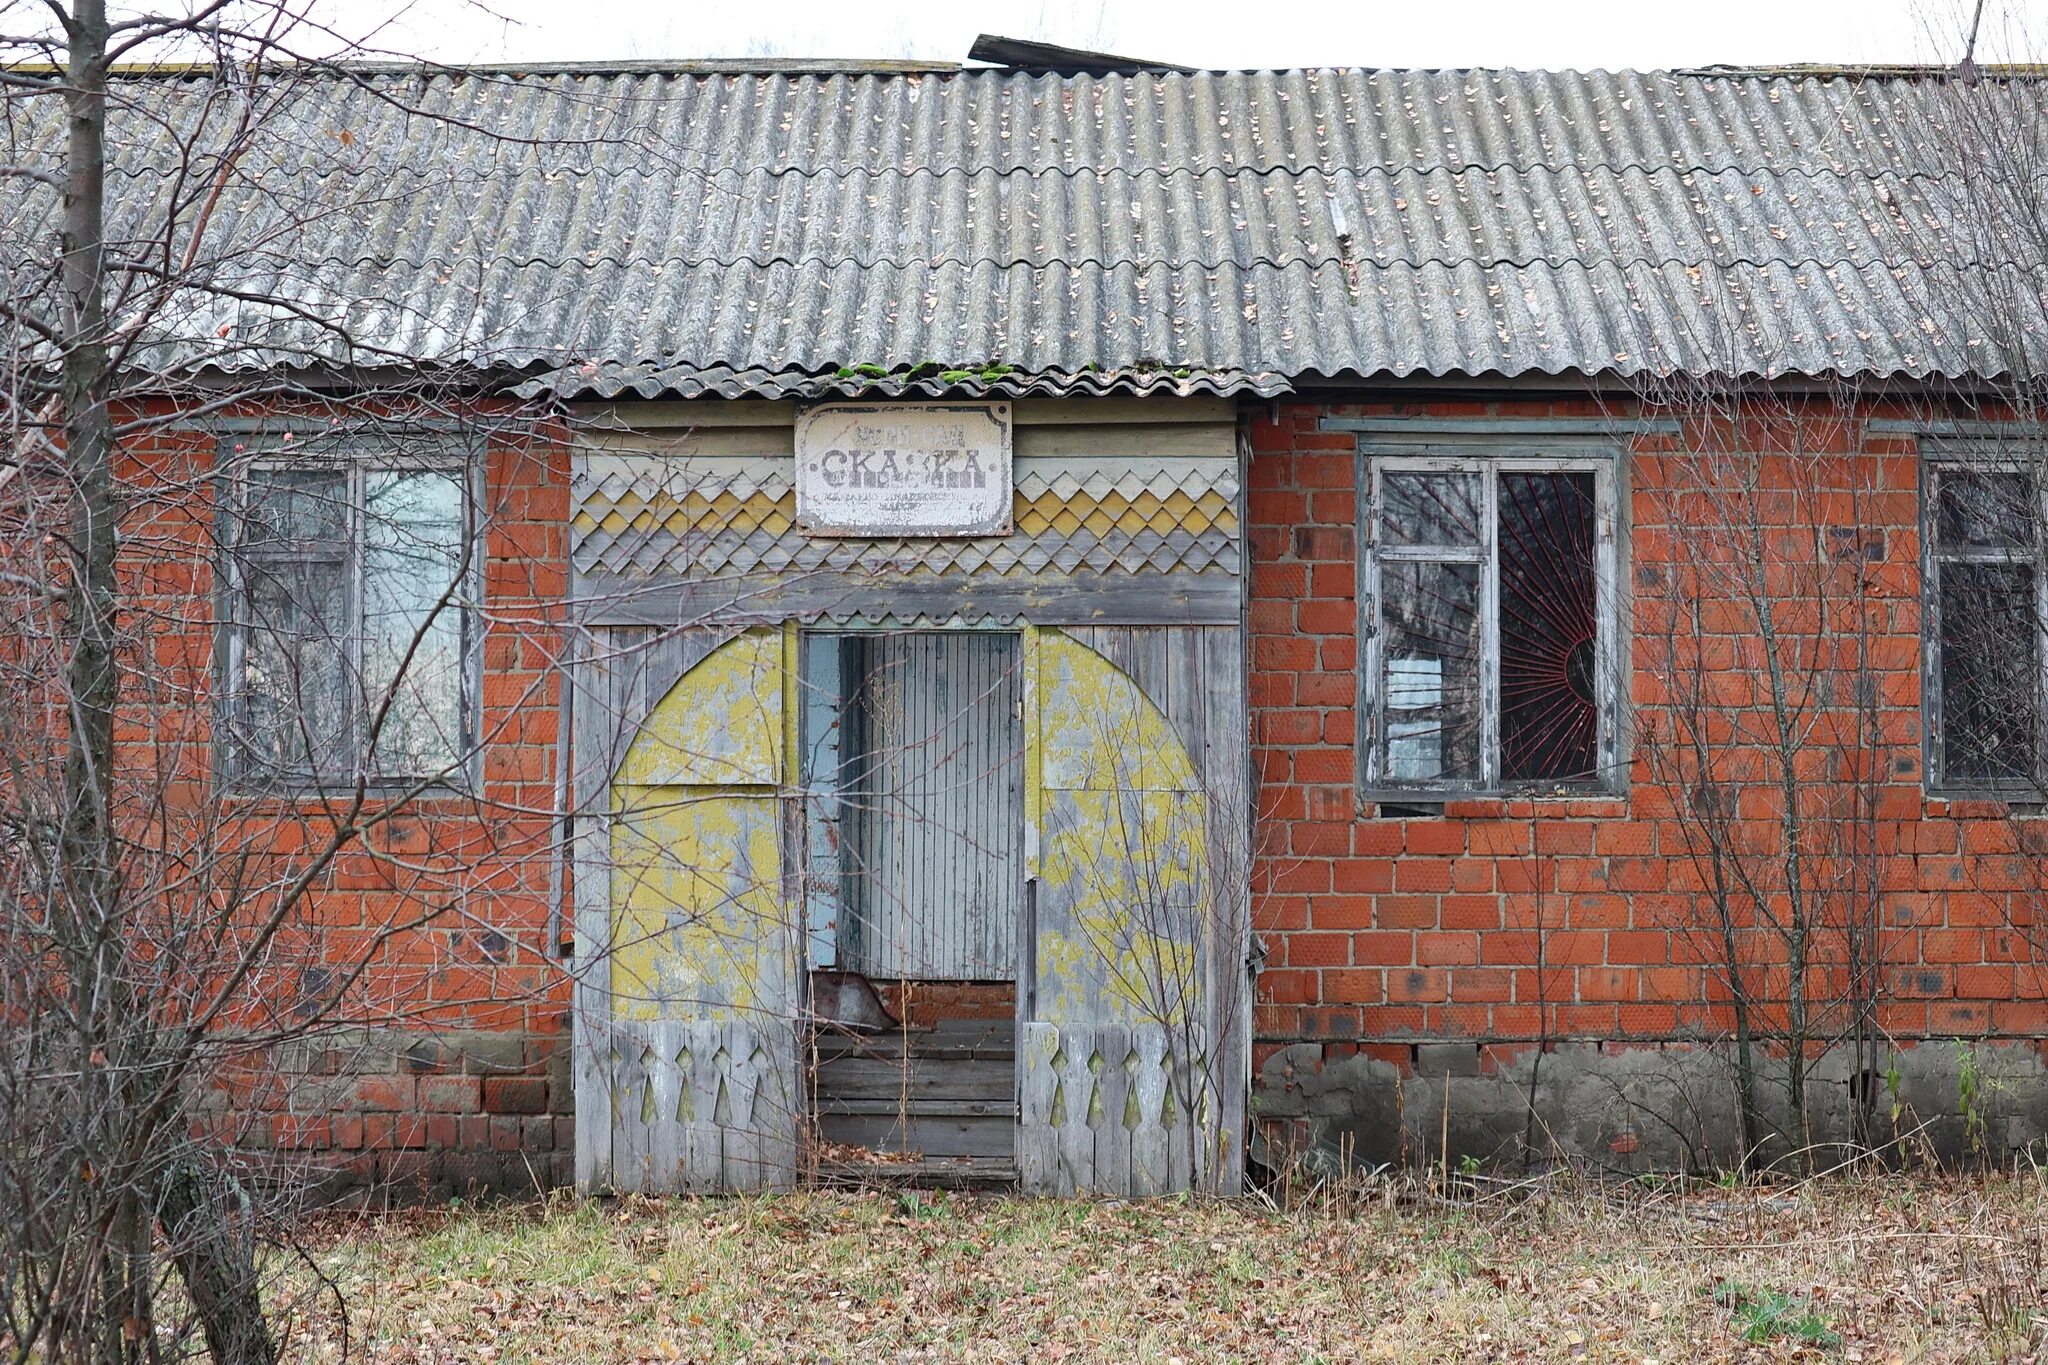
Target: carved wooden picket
[(1111, 1109), (702, 1106)]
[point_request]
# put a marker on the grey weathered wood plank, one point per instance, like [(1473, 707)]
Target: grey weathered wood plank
[(861, 1078), (591, 1060), (1053, 599), (1077, 1094), (1112, 1136), (1180, 1133), (934, 1136), (1230, 823), (1149, 1170), (665, 1131), (1037, 1143), (1194, 439), (743, 1167), (703, 1144), (629, 1143), (591, 1068)]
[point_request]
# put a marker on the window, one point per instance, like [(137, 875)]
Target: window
[(349, 646), (1984, 601), (1489, 639)]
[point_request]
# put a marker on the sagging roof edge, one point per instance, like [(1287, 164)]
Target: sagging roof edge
[(535, 387)]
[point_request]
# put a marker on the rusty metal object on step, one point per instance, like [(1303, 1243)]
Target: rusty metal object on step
[(848, 1000)]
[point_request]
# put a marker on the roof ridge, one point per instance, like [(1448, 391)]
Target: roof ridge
[(905, 66)]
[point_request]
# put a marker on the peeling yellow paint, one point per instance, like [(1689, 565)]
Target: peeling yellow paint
[(698, 923), (1100, 733), (721, 726), (700, 929), (1124, 836)]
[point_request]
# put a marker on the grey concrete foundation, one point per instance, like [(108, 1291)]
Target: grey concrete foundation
[(1637, 1108)]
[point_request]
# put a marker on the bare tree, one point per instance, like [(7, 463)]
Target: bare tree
[(241, 620), (1761, 603), (1986, 471)]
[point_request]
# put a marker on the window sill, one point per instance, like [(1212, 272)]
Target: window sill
[(1548, 803), (2022, 805), (305, 798)]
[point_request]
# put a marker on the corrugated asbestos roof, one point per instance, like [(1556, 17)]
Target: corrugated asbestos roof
[(642, 232)]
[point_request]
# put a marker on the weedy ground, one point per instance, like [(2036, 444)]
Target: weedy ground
[(1893, 1268)]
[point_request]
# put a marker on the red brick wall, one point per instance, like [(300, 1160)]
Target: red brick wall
[(1382, 932), (443, 1065)]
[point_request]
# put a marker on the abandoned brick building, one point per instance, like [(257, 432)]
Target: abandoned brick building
[(1098, 624)]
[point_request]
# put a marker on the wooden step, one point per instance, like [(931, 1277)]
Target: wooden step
[(959, 1039), (934, 1136), (923, 1080), (947, 1093), (932, 1173)]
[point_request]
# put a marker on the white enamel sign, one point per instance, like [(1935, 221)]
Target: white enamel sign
[(922, 469)]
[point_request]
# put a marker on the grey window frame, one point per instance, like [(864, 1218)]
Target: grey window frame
[(1475, 456), (1969, 458), (357, 459)]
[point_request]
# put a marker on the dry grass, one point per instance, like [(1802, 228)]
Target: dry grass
[(1897, 1268)]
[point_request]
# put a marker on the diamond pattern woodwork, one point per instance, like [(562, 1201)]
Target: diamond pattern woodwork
[(638, 516)]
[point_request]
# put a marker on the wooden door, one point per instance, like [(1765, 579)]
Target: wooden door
[(1128, 1043), (686, 1015)]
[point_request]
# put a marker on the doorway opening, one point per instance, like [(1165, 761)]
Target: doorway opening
[(914, 890)]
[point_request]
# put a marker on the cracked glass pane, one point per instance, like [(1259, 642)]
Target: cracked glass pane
[(1990, 673), (1549, 630)]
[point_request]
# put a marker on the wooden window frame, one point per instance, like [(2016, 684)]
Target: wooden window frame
[(1610, 646), (356, 463), (1971, 460)]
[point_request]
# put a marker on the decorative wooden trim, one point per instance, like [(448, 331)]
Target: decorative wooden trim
[(1055, 599)]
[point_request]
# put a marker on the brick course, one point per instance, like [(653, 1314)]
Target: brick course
[(448, 1072), (1396, 930), (1390, 938)]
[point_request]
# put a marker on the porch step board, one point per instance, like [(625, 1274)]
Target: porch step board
[(955, 1040), (932, 1173), (936, 1136), (924, 1081)]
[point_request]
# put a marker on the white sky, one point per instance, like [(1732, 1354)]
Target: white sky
[(1210, 33)]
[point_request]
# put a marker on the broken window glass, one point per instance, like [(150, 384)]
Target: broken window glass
[(1549, 630), (1985, 627), (1488, 628)]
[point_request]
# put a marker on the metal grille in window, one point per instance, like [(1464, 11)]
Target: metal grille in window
[(1987, 626), (1488, 639), (1549, 631)]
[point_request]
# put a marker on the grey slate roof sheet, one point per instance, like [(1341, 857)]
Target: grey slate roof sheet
[(1223, 232)]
